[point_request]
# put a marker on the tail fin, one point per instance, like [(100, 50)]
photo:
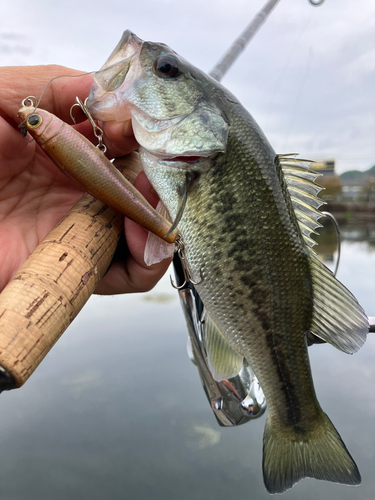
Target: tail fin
[(321, 454)]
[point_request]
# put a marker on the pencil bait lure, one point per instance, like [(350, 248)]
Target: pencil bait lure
[(87, 166)]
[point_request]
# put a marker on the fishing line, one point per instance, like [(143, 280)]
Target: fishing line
[(338, 237), (45, 88), (303, 80), (285, 68), (184, 194), (65, 76), (297, 100)]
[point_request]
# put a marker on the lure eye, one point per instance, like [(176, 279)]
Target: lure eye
[(34, 121), (167, 66)]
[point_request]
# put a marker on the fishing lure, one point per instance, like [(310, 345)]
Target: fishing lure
[(88, 167)]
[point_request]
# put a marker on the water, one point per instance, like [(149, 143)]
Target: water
[(117, 411)]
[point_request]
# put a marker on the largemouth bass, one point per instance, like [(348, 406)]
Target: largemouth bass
[(246, 215)]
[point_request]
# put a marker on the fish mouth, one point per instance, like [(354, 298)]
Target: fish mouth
[(113, 75), (115, 69), (194, 162), (183, 159)]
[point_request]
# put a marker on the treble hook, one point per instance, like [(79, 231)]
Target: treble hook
[(187, 278), (98, 132)]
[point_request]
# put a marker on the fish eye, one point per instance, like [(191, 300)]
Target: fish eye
[(167, 66), (34, 121)]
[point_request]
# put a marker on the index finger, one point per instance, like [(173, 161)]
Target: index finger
[(18, 82)]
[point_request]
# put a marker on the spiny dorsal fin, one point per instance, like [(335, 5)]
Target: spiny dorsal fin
[(337, 318), (300, 180)]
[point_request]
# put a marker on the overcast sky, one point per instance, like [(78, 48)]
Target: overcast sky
[(308, 76)]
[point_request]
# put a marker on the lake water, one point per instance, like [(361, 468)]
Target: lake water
[(117, 410)]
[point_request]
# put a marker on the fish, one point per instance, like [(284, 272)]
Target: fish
[(245, 216), (87, 166)]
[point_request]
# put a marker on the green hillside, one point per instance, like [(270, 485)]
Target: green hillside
[(356, 176)]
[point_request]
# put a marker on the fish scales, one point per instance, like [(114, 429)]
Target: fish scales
[(242, 219), (248, 286)]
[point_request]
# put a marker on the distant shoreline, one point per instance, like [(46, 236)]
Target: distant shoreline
[(351, 210)]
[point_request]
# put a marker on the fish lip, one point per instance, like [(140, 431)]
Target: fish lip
[(181, 159)]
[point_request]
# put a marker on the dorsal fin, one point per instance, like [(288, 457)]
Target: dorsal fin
[(303, 190), (337, 317)]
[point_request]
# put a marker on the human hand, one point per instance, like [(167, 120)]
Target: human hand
[(35, 195)]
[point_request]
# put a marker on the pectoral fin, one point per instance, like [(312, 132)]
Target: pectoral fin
[(157, 249), (223, 361)]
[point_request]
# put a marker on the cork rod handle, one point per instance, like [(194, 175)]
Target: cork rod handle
[(51, 287)]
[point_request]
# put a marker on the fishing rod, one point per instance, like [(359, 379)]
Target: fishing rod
[(240, 44)]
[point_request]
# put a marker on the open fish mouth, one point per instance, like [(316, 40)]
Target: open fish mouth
[(112, 75), (184, 162), (114, 71), (185, 159), (198, 163), (176, 118)]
